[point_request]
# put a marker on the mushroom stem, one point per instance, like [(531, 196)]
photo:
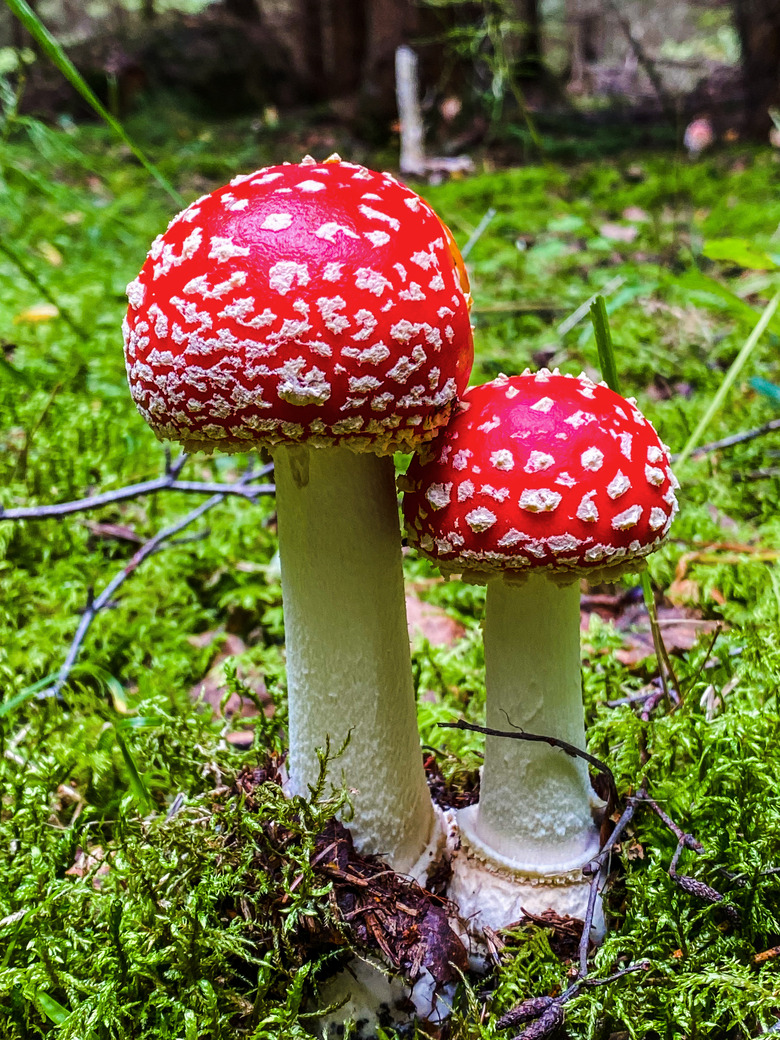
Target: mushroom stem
[(535, 800), (348, 662)]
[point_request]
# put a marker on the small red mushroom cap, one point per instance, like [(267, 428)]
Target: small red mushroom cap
[(318, 301), (543, 471)]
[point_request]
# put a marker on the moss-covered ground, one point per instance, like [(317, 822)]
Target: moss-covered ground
[(141, 896)]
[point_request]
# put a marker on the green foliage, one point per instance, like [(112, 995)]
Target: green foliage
[(167, 927)]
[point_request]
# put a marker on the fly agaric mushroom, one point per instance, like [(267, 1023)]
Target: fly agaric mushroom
[(538, 481), (318, 306)]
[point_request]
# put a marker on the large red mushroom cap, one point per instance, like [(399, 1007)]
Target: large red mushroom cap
[(544, 471), (320, 302)]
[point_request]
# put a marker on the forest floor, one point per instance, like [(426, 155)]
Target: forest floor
[(152, 887)]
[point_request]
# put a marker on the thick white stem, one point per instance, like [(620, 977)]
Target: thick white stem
[(535, 800), (348, 662)]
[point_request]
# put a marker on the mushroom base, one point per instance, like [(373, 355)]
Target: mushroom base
[(371, 996), (493, 891)]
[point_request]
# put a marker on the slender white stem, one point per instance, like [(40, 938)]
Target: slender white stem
[(348, 662), (534, 806)]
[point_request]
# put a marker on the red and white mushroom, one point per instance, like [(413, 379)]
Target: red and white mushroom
[(319, 305), (538, 481)]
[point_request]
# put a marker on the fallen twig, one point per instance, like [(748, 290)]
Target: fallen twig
[(168, 482), (95, 605), (735, 438), (546, 1014), (518, 734)]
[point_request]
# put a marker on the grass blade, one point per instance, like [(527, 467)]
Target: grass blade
[(137, 785), (598, 315), (730, 377), (52, 49)]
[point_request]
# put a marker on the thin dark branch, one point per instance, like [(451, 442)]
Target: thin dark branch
[(98, 603), (556, 742), (735, 438), (688, 840), (168, 482)]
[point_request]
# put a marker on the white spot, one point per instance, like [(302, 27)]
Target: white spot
[(199, 286), (537, 461), (328, 308), (490, 424), (439, 495), (502, 459), (654, 475), (414, 292), (592, 459), (443, 545), (300, 387), (561, 543), (480, 519), (413, 203), (544, 404), (375, 214), (363, 384), (266, 178), (136, 291), (223, 249), (332, 272), (512, 391), (626, 440), (595, 552), (539, 500), (276, 222), (310, 186), (237, 207), (460, 459), (382, 402), (657, 518), (655, 454), (286, 273), (436, 283), (370, 356), (404, 367), (403, 330), (329, 230), (577, 419), (586, 510), (424, 260), (465, 490), (499, 494), (618, 485), (373, 281), (377, 238), (512, 537), (161, 321), (628, 518), (565, 479)]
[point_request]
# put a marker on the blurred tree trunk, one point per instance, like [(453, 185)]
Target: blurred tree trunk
[(528, 46), (758, 25), (246, 10), (147, 10)]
